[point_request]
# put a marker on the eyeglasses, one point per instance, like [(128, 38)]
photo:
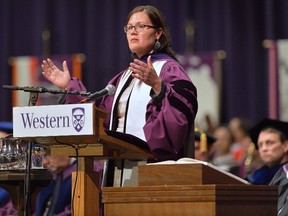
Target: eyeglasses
[(138, 27)]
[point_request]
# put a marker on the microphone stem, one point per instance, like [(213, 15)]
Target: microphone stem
[(44, 90)]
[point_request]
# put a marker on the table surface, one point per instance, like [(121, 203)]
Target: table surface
[(16, 175)]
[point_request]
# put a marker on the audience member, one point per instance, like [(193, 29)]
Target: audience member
[(55, 199), (281, 180), (240, 131), (6, 128), (6, 205), (203, 145), (243, 150), (271, 138), (222, 157)]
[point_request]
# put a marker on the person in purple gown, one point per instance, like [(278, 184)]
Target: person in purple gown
[(155, 100)]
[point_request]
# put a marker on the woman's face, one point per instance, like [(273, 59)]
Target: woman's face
[(141, 42)]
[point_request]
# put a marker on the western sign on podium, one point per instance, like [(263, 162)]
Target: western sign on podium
[(75, 130), (62, 127)]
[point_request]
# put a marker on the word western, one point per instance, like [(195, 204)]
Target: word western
[(31, 121)]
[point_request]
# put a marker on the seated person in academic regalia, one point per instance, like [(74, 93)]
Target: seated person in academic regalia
[(55, 199), (6, 205), (271, 139), (222, 157), (203, 144), (281, 180)]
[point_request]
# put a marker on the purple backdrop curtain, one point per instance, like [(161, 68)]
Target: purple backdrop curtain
[(95, 28)]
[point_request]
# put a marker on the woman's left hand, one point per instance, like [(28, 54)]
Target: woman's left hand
[(146, 73)]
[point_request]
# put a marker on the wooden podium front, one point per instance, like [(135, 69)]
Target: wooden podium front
[(189, 189), (196, 200)]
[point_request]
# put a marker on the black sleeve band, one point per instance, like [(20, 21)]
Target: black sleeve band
[(157, 99)]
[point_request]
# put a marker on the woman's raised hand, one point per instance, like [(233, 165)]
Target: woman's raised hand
[(146, 73), (55, 75)]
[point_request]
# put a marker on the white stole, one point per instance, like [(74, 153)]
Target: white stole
[(139, 98)]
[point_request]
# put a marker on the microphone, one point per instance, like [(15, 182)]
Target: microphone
[(109, 89)]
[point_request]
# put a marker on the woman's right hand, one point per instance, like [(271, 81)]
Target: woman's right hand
[(55, 75)]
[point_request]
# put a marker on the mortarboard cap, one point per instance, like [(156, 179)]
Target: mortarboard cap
[(267, 123), (6, 126), (205, 139)]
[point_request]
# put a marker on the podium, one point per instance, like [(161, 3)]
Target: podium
[(81, 135), (189, 189)]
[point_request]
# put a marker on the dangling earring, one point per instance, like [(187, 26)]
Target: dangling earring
[(157, 45)]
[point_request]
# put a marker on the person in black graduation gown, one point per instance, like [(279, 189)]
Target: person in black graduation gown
[(281, 180)]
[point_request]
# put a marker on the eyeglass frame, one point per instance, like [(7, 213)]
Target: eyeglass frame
[(137, 27)]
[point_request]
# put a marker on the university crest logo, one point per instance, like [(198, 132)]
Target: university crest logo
[(78, 118)]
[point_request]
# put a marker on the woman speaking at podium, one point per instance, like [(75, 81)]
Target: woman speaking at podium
[(154, 100)]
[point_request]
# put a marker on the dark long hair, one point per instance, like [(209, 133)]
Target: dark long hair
[(159, 21)]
